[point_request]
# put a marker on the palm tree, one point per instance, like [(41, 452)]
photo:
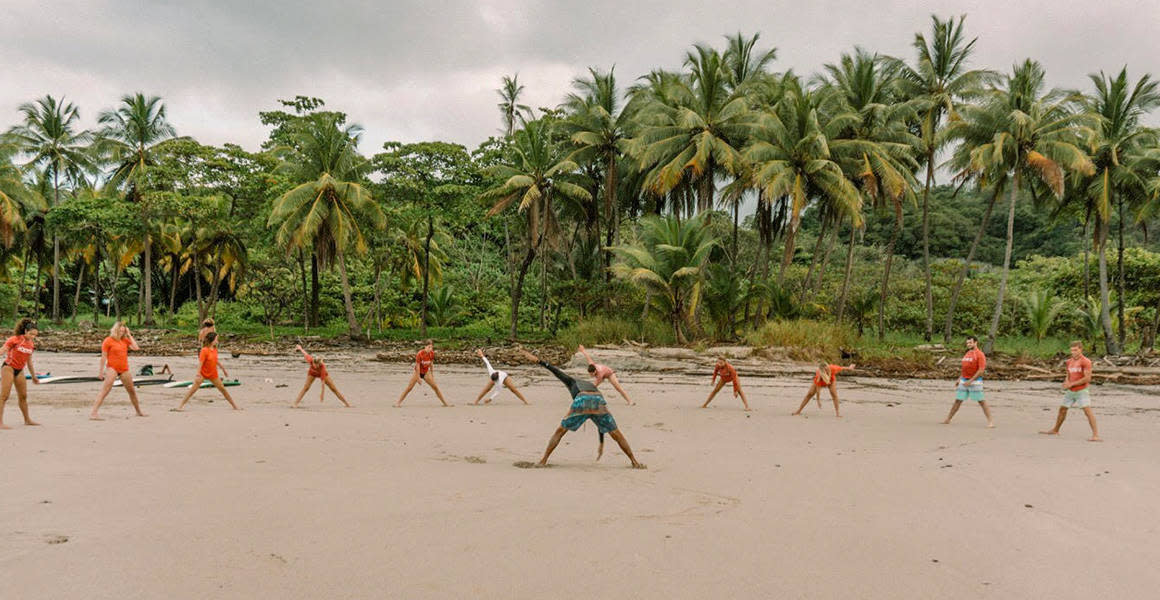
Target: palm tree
[(324, 211), (669, 264), (16, 199), (1121, 177), (531, 177), (50, 139), (1042, 307), (940, 80), (128, 138), (692, 127), (1030, 135), (509, 92)]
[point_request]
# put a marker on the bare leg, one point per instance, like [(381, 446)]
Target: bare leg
[(22, 395), (407, 390), (987, 413), (1058, 422), (1091, 416), (192, 390), (619, 437), (616, 384), (744, 400), (305, 388), (127, 381), (217, 383), (6, 379), (552, 443), (511, 386), (806, 400), (954, 409), (106, 386), (334, 388), (434, 386), (834, 396), (486, 389), (720, 384)]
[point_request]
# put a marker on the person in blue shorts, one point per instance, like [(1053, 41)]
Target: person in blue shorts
[(587, 404), (969, 385)]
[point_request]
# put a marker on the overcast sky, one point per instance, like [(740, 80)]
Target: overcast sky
[(428, 70)]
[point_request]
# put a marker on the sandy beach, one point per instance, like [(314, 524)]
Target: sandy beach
[(424, 501)]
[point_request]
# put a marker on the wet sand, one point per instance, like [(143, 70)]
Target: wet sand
[(424, 501)]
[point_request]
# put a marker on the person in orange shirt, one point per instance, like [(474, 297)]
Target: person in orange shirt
[(728, 374), (18, 354), (826, 376), (317, 370), (969, 385), (424, 372), (115, 365), (1076, 394), (208, 358)]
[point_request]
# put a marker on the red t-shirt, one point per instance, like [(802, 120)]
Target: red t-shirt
[(834, 370), (209, 363), (116, 353), (1076, 369), (726, 372), (320, 372), (425, 358), (973, 362), (19, 350)]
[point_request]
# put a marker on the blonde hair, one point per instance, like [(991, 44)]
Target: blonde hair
[(115, 329), (824, 372), (1076, 344)]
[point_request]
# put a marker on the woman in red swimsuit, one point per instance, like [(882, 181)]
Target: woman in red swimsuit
[(424, 372), (18, 354), (115, 365)]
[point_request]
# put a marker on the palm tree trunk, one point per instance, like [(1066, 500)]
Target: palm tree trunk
[(929, 331), (1086, 258), (958, 287), (1123, 301), (705, 192), (215, 286), (518, 291), (355, 331), (197, 287), (610, 213), (305, 293), (426, 272), (846, 276), (315, 287), (36, 292), (886, 269), (55, 254), (787, 257), (736, 219), (97, 284), (814, 258), (998, 315), (821, 273), (77, 297), (174, 278), (23, 278), (1110, 341), (148, 277)]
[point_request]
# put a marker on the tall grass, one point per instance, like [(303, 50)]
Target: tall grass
[(608, 330), (807, 338)]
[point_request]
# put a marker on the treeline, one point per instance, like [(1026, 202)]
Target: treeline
[(691, 204)]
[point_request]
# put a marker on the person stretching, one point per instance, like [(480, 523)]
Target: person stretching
[(424, 372), (969, 385), (587, 403), (209, 370), (1076, 394), (115, 365), (317, 370), (728, 374), (17, 355), (826, 376), (495, 379), (600, 373)]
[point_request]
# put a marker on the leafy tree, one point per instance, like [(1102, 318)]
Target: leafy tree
[(509, 92), (1042, 307)]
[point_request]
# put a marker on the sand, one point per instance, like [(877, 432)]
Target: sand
[(425, 501)]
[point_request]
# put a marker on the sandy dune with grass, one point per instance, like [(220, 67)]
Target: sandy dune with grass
[(424, 501)]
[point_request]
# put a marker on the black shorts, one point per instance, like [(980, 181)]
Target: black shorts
[(15, 372)]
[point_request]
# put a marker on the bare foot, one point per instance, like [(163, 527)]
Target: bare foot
[(141, 414), (639, 466), (3, 426), (991, 425), (631, 403), (838, 416), (1095, 438), (488, 401), (1049, 432), (32, 424), (794, 414), (94, 417), (295, 406), (946, 422), (177, 410), (238, 408)]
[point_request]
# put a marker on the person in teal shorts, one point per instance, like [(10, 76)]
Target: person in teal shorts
[(587, 404), (969, 385), (1076, 394)]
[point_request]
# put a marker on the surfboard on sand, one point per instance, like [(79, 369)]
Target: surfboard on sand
[(204, 384), (147, 380), (40, 376), (69, 379)]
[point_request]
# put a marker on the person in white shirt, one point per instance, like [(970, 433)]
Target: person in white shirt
[(496, 379)]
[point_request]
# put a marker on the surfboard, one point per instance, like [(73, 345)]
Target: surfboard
[(40, 376), (142, 380), (204, 384), (69, 379)]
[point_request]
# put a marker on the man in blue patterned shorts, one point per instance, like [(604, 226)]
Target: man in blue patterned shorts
[(587, 403)]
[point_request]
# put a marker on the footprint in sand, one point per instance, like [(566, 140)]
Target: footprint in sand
[(55, 539), (523, 464), (475, 460)]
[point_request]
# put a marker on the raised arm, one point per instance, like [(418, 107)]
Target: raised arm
[(132, 342), (299, 348), (486, 363), (586, 357)]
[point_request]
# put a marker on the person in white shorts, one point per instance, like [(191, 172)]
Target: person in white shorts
[(496, 380), (1076, 394)]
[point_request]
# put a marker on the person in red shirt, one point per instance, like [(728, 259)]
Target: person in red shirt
[(115, 365), (728, 374), (424, 372), (826, 376), (17, 355), (1076, 394), (208, 359), (317, 370), (600, 373), (969, 385)]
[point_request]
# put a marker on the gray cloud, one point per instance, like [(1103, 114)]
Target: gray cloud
[(428, 70)]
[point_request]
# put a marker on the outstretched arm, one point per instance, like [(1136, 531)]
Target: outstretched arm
[(586, 357), (487, 364), (303, 352), (562, 376)]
